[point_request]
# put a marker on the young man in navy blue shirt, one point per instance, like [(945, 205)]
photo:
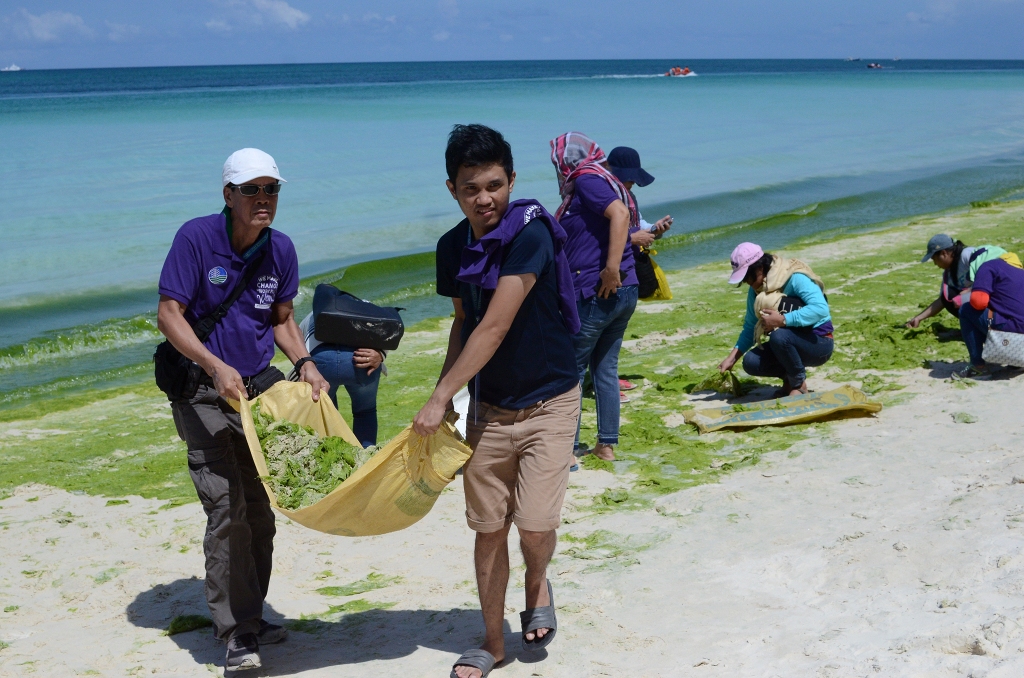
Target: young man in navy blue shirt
[(515, 312)]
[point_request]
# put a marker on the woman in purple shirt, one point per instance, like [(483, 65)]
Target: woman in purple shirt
[(597, 213)]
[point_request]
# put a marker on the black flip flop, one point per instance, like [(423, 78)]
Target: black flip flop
[(475, 659), (540, 618)]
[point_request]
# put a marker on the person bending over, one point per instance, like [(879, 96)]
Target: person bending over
[(959, 264), (358, 370), (786, 302), (515, 314), (997, 302)]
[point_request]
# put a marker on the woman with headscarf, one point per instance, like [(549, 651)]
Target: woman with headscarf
[(597, 213), (785, 303)]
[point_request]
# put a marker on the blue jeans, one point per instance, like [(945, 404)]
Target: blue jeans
[(786, 354), (602, 326), (974, 326), (335, 364)]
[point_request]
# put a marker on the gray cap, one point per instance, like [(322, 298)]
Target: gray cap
[(937, 244)]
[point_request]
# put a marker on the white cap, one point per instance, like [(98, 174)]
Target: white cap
[(248, 164)]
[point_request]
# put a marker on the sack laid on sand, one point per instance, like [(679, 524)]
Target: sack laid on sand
[(837, 403), (1003, 348), (395, 488), (341, 318)]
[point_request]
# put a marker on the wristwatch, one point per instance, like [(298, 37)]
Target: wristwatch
[(302, 361)]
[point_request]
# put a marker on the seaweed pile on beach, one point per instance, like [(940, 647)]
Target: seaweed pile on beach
[(722, 382), (303, 467)]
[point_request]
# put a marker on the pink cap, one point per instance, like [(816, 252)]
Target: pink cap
[(745, 254)]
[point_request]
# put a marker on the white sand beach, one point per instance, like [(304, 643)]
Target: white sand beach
[(882, 546)]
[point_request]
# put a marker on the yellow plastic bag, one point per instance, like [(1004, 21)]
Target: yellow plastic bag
[(663, 293), (836, 403), (390, 492)]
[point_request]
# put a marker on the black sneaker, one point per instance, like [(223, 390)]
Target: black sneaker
[(271, 633), (243, 653)]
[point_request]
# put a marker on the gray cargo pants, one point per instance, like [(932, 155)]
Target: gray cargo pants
[(239, 542)]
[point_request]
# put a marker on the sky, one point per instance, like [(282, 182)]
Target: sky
[(113, 33)]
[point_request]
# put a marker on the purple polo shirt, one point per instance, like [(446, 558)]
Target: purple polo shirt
[(588, 231), (1005, 287), (201, 270)]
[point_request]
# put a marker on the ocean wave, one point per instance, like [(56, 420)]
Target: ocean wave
[(82, 340), (629, 76)]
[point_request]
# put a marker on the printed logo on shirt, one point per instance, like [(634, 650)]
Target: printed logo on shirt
[(266, 290), (531, 213), (217, 275)]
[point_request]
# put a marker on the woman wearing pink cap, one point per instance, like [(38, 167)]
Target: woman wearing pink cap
[(787, 322)]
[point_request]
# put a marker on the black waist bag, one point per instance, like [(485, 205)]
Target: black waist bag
[(646, 279), (341, 318), (177, 376)]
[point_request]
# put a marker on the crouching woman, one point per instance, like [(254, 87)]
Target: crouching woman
[(997, 302), (786, 302)]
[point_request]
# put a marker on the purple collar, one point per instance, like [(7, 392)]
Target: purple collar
[(481, 260)]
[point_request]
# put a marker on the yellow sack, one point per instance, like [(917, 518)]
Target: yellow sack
[(833, 404), (390, 492), (664, 292)]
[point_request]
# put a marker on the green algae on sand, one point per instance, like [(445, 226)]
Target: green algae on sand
[(122, 441), (187, 622), (372, 582)]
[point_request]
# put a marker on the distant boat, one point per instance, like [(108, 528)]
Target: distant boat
[(11, 68), (874, 65), (677, 72), (897, 59), (851, 59)]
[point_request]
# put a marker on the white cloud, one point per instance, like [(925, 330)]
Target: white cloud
[(441, 36), (122, 32), (49, 26), (945, 11), (279, 11), (239, 13), (218, 25)]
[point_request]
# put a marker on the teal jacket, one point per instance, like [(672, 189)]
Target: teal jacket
[(814, 314)]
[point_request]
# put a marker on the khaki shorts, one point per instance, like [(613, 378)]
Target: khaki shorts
[(520, 464)]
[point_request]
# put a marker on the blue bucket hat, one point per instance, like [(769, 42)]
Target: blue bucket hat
[(625, 164)]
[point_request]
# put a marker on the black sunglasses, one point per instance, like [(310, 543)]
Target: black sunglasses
[(250, 190)]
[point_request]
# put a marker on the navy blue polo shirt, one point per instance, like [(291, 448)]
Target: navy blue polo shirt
[(536, 359)]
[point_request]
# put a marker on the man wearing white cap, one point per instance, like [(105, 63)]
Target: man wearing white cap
[(226, 293)]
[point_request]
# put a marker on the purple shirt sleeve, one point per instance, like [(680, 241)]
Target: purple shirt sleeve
[(179, 278), (594, 193)]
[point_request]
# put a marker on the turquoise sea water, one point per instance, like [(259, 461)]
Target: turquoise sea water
[(102, 166)]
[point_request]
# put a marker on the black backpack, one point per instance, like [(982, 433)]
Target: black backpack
[(342, 318)]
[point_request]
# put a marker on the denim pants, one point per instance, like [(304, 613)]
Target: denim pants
[(335, 364), (974, 326), (602, 326), (239, 541), (787, 352)]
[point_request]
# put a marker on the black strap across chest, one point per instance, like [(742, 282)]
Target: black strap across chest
[(204, 326)]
